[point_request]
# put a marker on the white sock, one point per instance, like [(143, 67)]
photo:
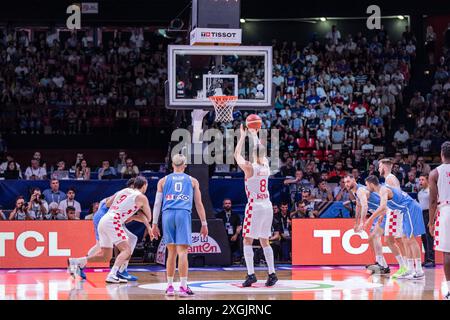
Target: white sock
[(268, 254), (381, 261), (123, 267), (248, 255), (410, 265), (169, 281), (448, 286), (418, 265), (183, 283), (113, 271), (401, 262)]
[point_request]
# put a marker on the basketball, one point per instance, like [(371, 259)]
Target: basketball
[(253, 121)]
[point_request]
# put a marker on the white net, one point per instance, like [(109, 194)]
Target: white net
[(224, 106)]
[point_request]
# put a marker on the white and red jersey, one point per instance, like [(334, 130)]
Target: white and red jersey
[(124, 205), (257, 186), (443, 184)]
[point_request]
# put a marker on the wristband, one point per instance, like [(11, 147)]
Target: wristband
[(204, 223)]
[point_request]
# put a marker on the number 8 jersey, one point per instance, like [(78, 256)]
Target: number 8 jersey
[(259, 211), (257, 186)]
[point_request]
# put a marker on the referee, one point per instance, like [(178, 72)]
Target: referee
[(427, 239)]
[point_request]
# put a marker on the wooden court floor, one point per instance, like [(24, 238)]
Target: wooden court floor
[(297, 283)]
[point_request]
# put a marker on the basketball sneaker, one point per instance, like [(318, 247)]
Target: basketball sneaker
[(170, 291), (419, 276), (249, 280), (185, 292), (406, 275), (447, 297), (383, 270), (371, 266), (125, 275), (375, 268), (400, 272), (271, 280), (112, 279)]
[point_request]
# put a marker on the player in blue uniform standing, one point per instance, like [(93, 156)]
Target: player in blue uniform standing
[(176, 193), (368, 202), (411, 224)]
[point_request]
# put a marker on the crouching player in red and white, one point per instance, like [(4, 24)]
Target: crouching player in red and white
[(123, 206), (439, 224), (259, 209)]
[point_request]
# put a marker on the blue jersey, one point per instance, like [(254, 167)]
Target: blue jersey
[(178, 192), (373, 202), (400, 199)]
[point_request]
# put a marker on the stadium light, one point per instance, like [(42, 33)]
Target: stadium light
[(401, 17), (243, 21), (323, 19)]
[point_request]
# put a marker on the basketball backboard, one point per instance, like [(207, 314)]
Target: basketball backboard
[(197, 72)]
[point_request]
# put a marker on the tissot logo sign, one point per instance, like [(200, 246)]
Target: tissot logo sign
[(228, 36), (218, 34)]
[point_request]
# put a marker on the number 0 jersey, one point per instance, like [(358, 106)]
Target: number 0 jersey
[(178, 192), (257, 186)]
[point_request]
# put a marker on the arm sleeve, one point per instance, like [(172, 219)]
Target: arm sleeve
[(157, 207)]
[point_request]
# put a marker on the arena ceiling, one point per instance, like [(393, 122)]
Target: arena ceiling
[(163, 11)]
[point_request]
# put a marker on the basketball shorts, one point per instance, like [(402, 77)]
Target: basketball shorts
[(102, 210), (442, 229), (258, 220), (413, 225), (111, 231), (177, 227), (394, 222)]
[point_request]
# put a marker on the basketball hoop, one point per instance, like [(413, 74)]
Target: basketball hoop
[(224, 106)]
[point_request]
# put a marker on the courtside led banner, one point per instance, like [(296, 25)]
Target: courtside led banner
[(331, 242), (44, 244)]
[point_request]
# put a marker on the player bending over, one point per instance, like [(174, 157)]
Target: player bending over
[(396, 245), (366, 201), (259, 210), (411, 224), (440, 210), (123, 206), (97, 250), (175, 194)]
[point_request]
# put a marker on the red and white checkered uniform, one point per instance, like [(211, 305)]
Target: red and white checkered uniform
[(442, 226), (442, 229), (259, 210), (111, 227), (394, 223)]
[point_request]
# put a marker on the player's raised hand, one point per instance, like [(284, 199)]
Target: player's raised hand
[(243, 130)]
